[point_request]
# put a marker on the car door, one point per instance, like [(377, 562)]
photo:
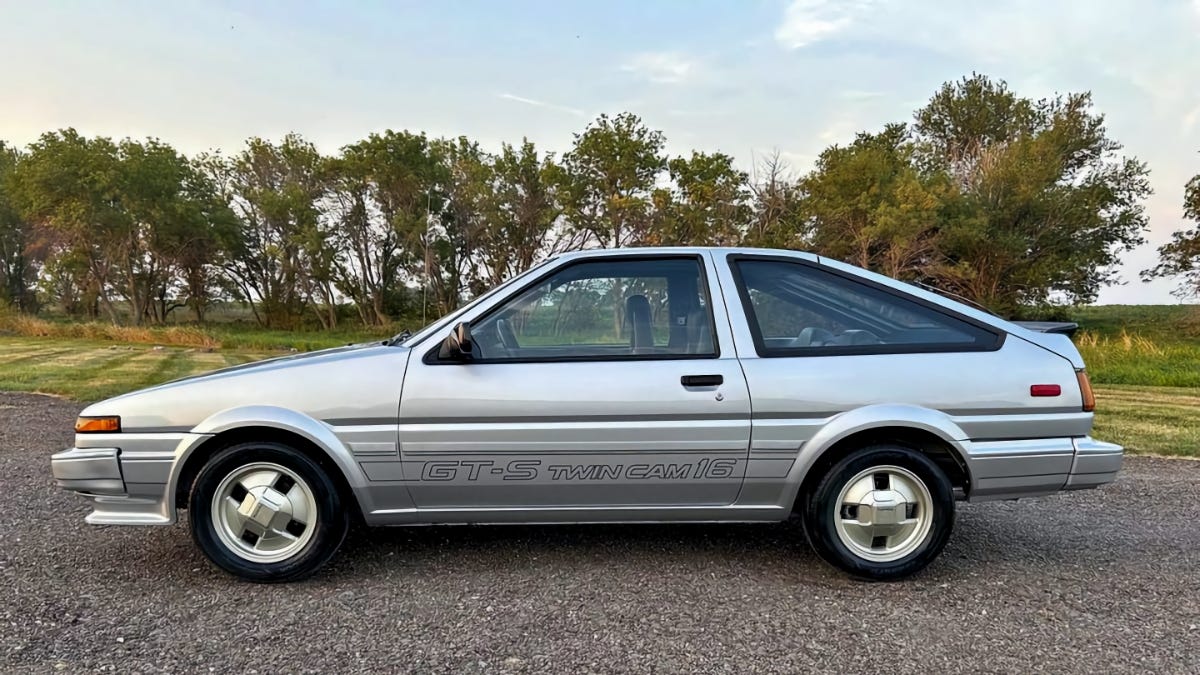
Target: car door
[(606, 381)]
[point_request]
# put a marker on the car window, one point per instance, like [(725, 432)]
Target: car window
[(639, 308), (799, 309)]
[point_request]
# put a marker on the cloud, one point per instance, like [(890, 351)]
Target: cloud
[(542, 104), (809, 21), (661, 67)]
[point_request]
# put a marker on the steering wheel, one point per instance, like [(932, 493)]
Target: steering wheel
[(508, 339)]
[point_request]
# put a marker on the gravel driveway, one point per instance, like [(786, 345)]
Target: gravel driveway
[(1095, 581)]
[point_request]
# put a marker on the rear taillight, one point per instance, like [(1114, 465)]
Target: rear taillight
[(1085, 390)]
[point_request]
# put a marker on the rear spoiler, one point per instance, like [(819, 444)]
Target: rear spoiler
[(1067, 328)]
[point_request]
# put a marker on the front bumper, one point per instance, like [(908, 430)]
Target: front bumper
[(127, 477), (95, 471), (1011, 469)]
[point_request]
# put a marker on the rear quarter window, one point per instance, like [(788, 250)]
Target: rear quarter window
[(800, 309)]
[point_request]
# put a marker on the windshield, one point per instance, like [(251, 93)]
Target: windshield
[(452, 316)]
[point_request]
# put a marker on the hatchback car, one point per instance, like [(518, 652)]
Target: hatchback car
[(676, 384)]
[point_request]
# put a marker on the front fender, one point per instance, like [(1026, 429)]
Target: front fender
[(313, 430), (866, 418)]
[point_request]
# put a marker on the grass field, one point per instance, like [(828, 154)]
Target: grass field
[(90, 371), (1144, 361)]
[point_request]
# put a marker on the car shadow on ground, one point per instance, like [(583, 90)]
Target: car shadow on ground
[(1030, 539)]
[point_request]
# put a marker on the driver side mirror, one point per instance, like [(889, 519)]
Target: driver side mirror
[(458, 345)]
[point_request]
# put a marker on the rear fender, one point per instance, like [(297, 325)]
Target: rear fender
[(866, 418)]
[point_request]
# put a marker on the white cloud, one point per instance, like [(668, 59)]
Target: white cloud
[(808, 21), (661, 67), (542, 104)]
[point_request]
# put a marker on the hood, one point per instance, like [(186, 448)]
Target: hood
[(351, 382), (268, 364)]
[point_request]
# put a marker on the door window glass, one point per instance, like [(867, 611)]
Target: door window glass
[(642, 308)]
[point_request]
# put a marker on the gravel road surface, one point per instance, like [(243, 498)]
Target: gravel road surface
[(1099, 581)]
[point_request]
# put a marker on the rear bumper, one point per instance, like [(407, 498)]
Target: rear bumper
[(1096, 463), (127, 485), (1012, 469)]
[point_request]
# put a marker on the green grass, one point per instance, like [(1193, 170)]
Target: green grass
[(1154, 345), (1150, 420), (1171, 322), (90, 370)]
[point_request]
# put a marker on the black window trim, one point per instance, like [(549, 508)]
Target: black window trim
[(765, 352), (431, 357)]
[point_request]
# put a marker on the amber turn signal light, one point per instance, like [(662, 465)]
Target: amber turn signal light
[(1085, 390), (97, 425)]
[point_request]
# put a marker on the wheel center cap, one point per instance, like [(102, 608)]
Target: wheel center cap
[(882, 507), (263, 504)]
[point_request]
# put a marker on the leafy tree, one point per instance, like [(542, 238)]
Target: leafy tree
[(17, 265), (707, 205), (171, 211), (870, 204), (608, 180), (1045, 204), (523, 211), (198, 242), (275, 190), (70, 186), (451, 245), (1180, 257), (383, 189)]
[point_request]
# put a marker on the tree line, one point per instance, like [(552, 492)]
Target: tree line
[(1008, 201)]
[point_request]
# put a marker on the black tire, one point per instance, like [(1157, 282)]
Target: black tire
[(822, 508), (332, 520)]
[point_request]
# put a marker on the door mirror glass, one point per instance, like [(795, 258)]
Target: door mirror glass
[(458, 345)]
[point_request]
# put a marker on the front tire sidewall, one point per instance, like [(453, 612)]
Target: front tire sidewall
[(820, 512), (332, 520)]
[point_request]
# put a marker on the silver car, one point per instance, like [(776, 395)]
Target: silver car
[(674, 384)]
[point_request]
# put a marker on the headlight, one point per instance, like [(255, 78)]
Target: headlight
[(97, 425)]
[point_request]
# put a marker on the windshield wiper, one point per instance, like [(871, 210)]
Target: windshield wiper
[(397, 338)]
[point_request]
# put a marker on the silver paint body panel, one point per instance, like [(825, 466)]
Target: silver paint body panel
[(617, 440)]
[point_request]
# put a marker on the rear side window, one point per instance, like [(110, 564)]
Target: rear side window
[(798, 309)]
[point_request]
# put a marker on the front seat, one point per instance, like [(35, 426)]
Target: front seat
[(637, 313), (813, 336)]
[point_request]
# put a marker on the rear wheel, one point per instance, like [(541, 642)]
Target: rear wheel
[(883, 512), (266, 512)]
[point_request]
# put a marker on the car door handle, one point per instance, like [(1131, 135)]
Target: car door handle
[(701, 380)]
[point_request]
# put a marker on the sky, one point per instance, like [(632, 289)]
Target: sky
[(748, 78)]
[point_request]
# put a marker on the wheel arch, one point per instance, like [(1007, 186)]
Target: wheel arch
[(928, 431), (266, 423)]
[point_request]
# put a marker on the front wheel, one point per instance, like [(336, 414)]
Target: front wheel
[(266, 512), (881, 513)]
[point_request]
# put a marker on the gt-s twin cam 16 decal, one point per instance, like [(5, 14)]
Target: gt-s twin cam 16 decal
[(533, 469)]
